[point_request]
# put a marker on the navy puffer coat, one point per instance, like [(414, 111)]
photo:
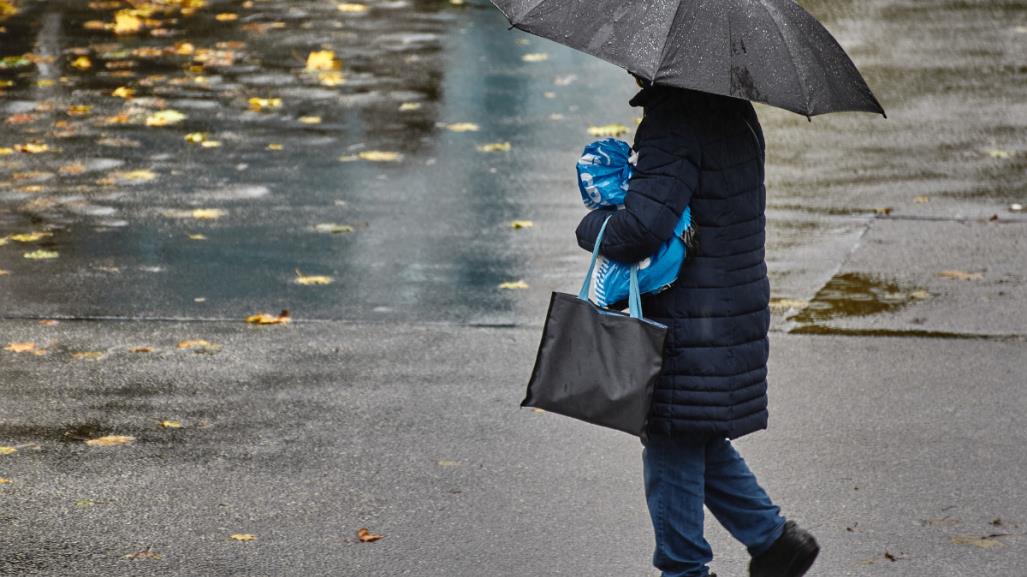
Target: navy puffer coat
[(707, 152)]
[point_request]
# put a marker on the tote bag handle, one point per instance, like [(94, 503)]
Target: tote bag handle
[(634, 298)]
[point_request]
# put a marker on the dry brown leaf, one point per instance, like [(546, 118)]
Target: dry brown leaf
[(961, 275), (142, 349), (366, 536), (267, 319), (110, 441)]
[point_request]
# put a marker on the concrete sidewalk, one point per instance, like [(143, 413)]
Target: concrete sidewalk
[(901, 454)]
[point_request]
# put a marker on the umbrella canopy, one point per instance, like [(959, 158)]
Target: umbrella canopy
[(770, 51)]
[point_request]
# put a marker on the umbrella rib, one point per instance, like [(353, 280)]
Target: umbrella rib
[(791, 57)]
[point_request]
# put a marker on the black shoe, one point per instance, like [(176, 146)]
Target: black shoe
[(790, 556)]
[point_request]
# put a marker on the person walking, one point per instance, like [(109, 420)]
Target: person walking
[(706, 152)]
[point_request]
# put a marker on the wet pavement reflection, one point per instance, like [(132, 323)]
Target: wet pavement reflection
[(191, 159)]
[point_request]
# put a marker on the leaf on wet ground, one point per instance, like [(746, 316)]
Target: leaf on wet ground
[(322, 60), (997, 153), (463, 127), (130, 177), (127, 22), (980, 541), (226, 17), (88, 355), (275, 146), (198, 345), (79, 110), (961, 275), (84, 503), (535, 57), (82, 63), (203, 139), (333, 228), (32, 147), (607, 130), (171, 424), (124, 92), (309, 280), (352, 7), (29, 236), (141, 349), (409, 106), (379, 156), (513, 285), (310, 120), (495, 147), (447, 463), (242, 537), (4, 272), (261, 104), (5, 481), (520, 224), (110, 441), (921, 199), (883, 211), (366, 536), (206, 213), (165, 118), (197, 236), (41, 255), (269, 319), (5, 450)]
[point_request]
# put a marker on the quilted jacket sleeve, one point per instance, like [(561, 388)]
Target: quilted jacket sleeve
[(665, 176)]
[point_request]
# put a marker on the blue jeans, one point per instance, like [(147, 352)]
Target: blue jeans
[(683, 474)]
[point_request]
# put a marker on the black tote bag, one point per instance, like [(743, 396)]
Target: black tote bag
[(597, 365)]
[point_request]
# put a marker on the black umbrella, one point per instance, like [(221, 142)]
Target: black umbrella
[(768, 51)]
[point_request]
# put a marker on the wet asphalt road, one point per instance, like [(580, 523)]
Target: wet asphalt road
[(390, 401)]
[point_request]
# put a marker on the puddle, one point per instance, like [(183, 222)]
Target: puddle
[(856, 295)]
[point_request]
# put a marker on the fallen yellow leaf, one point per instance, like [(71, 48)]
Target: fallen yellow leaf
[(275, 146), (409, 106), (331, 78), (322, 60), (883, 211), (125, 22), (535, 57), (41, 254), (30, 236), (267, 319), (226, 17), (7, 450), (242, 537), (961, 275), (312, 280), (921, 199), (32, 148), (259, 104), (783, 304), (310, 120), (463, 127), (352, 8), (142, 349), (4, 481), (197, 344), (518, 224), (207, 213), (165, 118), (195, 137), (89, 355), (612, 130), (171, 424), (495, 147), (82, 63), (379, 156), (333, 228), (133, 176), (79, 109), (110, 441), (124, 92), (996, 153), (197, 237), (366, 536), (4, 272), (513, 285)]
